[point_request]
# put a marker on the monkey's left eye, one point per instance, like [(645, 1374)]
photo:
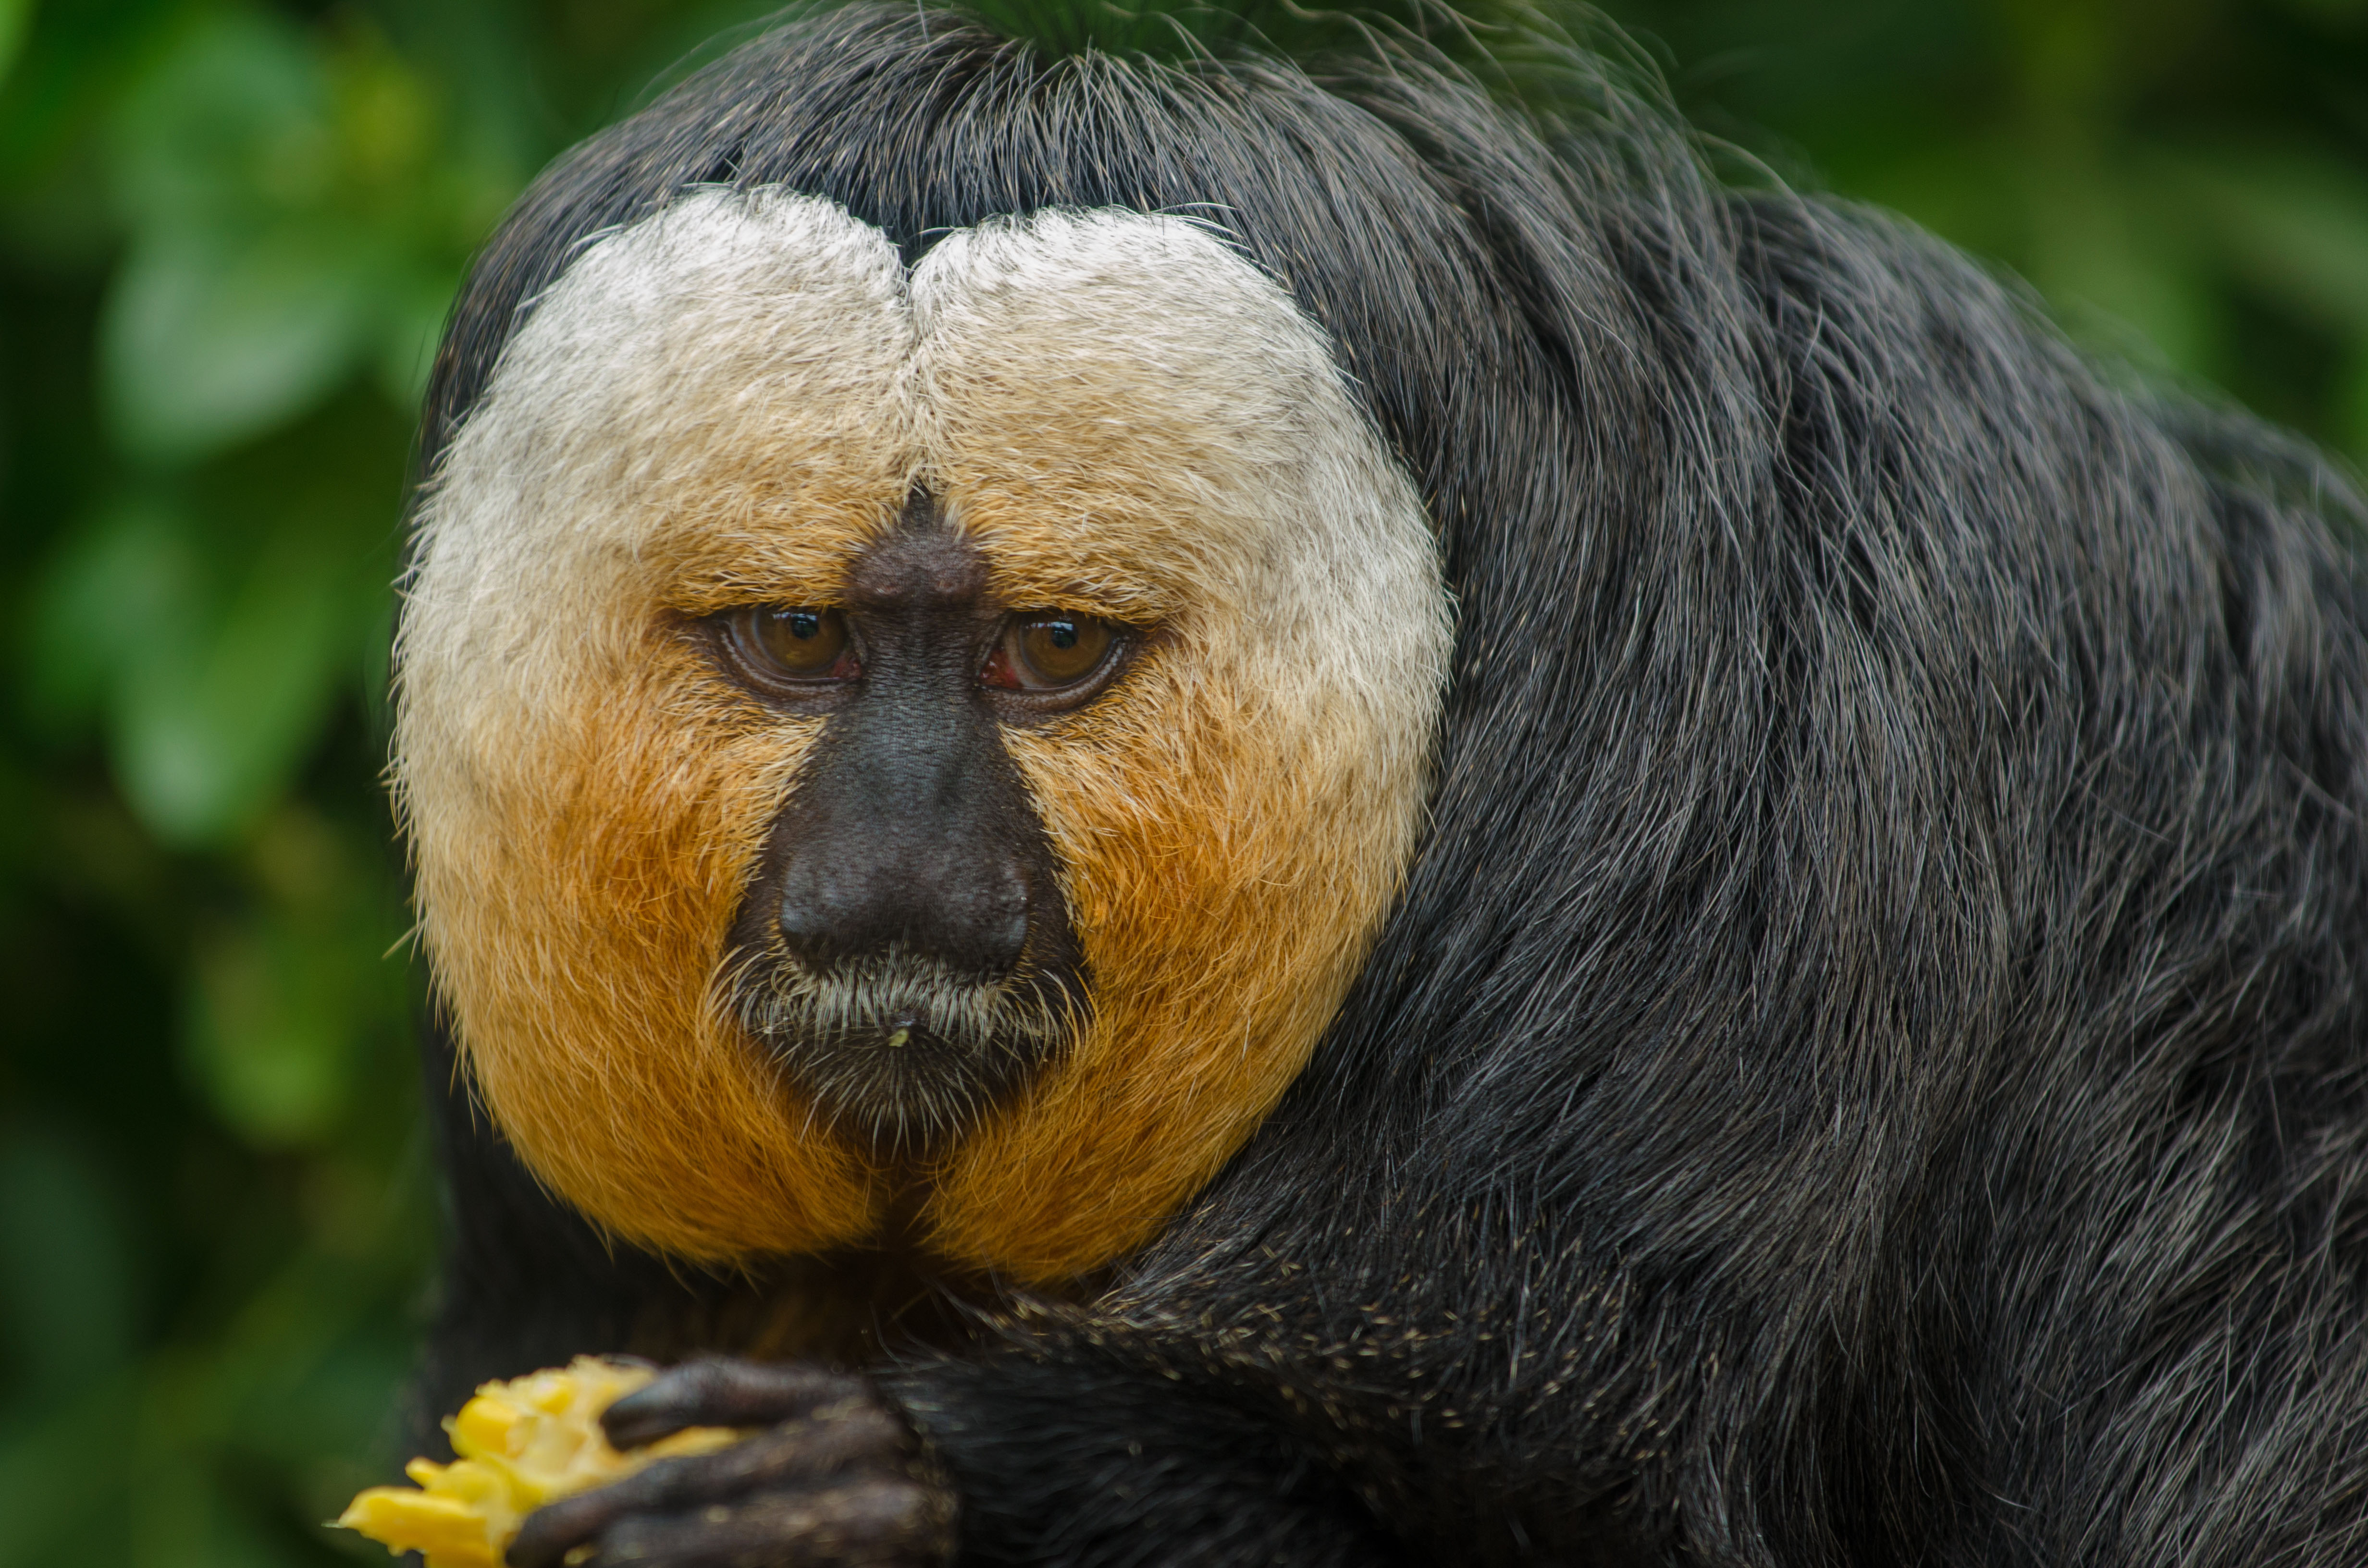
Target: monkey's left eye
[(792, 643), (1049, 653)]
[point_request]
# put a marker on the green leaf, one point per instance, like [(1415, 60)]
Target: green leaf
[(233, 117), (269, 1043), (63, 1479), (2352, 405), (208, 735), (2115, 283), (213, 337), (66, 1275), (270, 188), (15, 17), (183, 1517), (288, 992), (2294, 222), (2332, 13), (413, 324), (120, 584)]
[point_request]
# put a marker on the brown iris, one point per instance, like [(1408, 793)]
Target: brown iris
[(1045, 653), (796, 642)]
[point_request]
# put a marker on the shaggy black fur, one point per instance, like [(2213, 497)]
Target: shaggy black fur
[(1868, 1066)]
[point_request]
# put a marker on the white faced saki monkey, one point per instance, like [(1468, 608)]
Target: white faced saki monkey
[(1197, 813)]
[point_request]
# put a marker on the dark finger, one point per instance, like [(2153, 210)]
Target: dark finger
[(717, 1393), (877, 1522), (835, 1439)]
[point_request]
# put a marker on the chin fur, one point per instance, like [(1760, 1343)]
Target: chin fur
[(900, 1049)]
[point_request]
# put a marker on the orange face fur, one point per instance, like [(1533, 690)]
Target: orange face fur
[(726, 404)]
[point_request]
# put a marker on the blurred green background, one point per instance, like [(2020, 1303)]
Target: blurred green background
[(228, 232)]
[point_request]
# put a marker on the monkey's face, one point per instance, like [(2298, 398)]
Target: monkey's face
[(958, 726)]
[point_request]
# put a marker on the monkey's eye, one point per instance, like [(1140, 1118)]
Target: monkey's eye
[(792, 643), (1045, 653)]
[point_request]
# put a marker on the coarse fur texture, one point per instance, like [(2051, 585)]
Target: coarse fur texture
[(1865, 1063)]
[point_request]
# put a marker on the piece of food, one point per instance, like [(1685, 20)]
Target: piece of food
[(520, 1443)]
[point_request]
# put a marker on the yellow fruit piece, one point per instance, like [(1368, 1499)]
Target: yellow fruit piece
[(520, 1443)]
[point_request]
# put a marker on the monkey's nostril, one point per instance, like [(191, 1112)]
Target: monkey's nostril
[(1003, 927), (804, 926), (815, 917)]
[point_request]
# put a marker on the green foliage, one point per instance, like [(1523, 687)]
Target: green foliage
[(228, 235), (2186, 183), (228, 231)]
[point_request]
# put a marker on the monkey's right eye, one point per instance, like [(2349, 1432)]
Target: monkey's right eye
[(792, 643)]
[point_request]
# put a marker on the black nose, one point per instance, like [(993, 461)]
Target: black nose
[(909, 828), (926, 887)]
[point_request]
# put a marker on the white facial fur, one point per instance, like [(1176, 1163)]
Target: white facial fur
[(667, 358), (723, 403), (1209, 461)]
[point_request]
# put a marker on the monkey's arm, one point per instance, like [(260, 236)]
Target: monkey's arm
[(1121, 1467)]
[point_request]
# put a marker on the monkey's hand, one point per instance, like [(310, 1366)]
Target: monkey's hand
[(837, 1479)]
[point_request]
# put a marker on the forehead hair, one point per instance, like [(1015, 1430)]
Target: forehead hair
[(1398, 208)]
